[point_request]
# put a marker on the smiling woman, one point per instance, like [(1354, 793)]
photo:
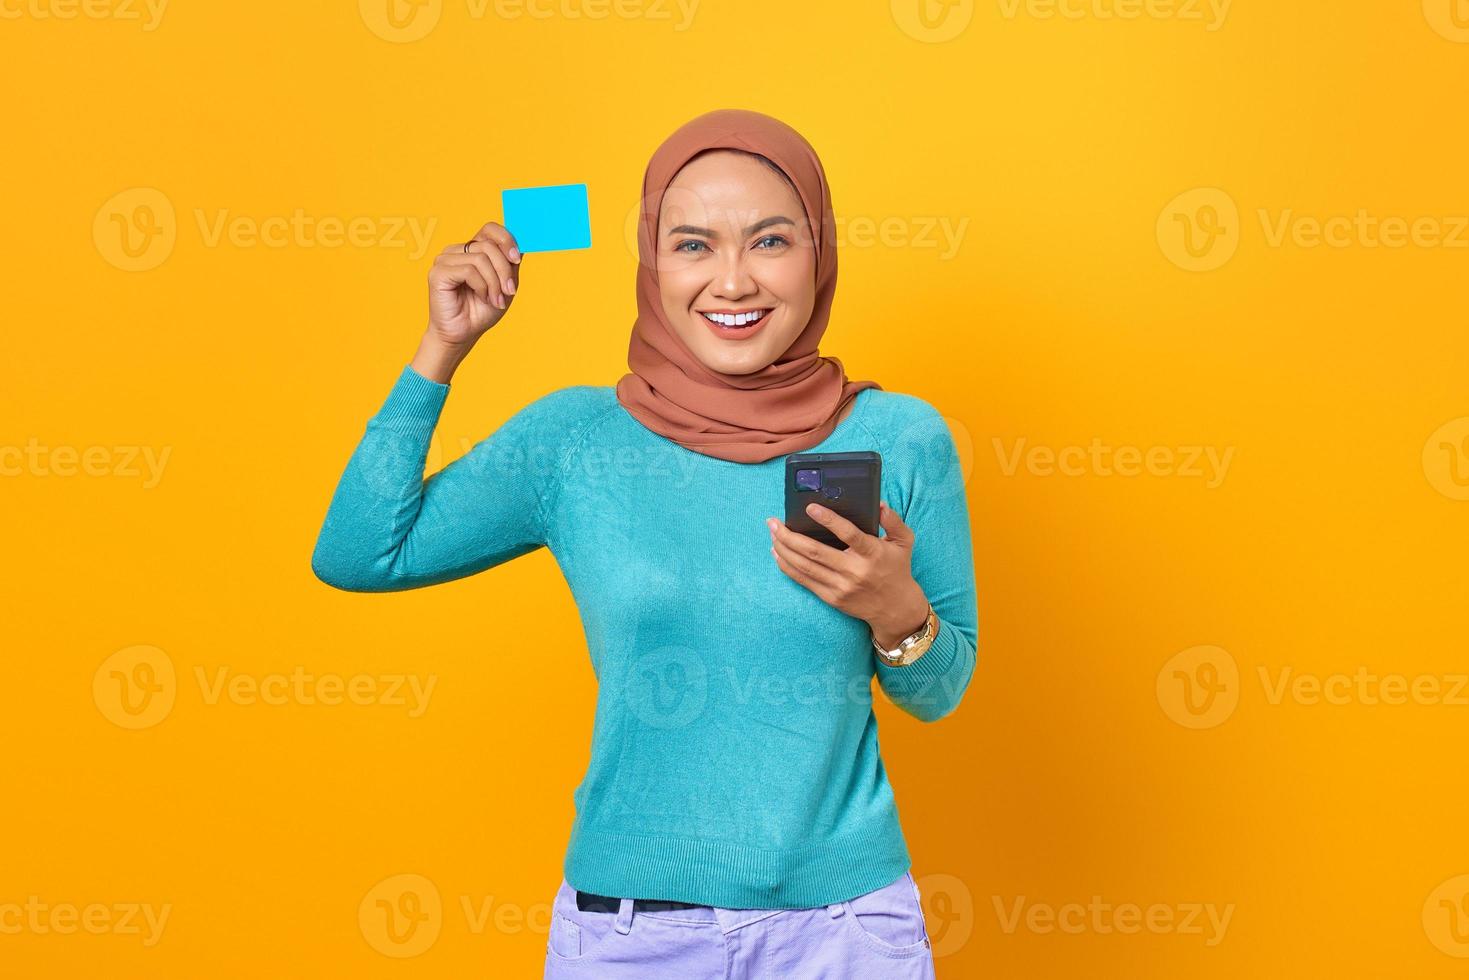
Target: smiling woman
[(722, 283), (734, 759)]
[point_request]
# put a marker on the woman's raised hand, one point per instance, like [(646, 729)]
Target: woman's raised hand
[(469, 290)]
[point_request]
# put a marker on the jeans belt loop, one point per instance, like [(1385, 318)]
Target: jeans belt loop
[(624, 916)]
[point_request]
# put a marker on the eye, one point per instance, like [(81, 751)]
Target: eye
[(777, 239), (680, 246)]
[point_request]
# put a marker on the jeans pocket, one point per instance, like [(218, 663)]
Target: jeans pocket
[(574, 934), (890, 918)]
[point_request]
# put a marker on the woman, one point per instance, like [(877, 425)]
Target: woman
[(735, 819)]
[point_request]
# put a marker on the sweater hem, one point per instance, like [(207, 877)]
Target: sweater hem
[(724, 874)]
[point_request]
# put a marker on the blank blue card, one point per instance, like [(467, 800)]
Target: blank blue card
[(548, 219)]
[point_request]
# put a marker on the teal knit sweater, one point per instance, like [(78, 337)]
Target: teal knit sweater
[(734, 757)]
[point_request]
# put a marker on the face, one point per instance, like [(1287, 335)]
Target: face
[(734, 245)]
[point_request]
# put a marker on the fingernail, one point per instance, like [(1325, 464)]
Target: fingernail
[(510, 286), (770, 524), (513, 254)]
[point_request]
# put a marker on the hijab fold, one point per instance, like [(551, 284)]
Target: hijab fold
[(785, 407)]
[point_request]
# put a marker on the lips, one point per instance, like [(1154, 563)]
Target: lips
[(732, 324)]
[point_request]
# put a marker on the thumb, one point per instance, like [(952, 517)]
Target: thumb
[(897, 531)]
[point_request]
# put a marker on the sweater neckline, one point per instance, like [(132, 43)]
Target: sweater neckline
[(842, 427)]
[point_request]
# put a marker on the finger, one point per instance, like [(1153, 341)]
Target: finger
[(854, 536), (896, 529), (810, 556), (475, 280), (809, 548), (486, 267), (449, 276), (504, 270), (500, 235), (802, 572)]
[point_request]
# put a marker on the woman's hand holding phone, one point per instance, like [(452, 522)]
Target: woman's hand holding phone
[(871, 580), (469, 291)]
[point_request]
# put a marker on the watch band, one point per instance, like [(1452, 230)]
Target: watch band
[(911, 646)]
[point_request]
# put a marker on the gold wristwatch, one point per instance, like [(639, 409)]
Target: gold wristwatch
[(909, 648)]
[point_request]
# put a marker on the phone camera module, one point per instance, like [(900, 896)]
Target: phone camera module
[(808, 479)]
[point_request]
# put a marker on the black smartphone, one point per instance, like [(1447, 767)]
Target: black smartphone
[(848, 483)]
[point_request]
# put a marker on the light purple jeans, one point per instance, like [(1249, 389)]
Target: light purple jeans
[(880, 935)]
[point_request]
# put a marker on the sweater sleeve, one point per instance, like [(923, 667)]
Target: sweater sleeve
[(943, 565), (389, 529)]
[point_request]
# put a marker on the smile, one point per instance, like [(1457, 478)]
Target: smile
[(735, 324)]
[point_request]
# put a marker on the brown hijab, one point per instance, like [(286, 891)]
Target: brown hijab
[(785, 407)]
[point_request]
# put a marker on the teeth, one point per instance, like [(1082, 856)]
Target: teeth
[(735, 319)]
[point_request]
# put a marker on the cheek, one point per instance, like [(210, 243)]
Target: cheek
[(677, 288), (793, 279)]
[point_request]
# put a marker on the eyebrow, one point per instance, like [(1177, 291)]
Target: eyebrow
[(707, 233)]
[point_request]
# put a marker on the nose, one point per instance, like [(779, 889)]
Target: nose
[(733, 279)]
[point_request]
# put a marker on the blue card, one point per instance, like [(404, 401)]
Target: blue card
[(548, 219)]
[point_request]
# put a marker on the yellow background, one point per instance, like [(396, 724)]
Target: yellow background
[(1076, 766)]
